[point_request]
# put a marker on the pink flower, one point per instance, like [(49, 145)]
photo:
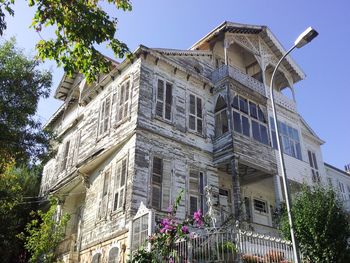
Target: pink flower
[(171, 260), (170, 209), (197, 216), (184, 229)]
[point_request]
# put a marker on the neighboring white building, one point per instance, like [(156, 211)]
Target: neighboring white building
[(177, 119), (340, 181)]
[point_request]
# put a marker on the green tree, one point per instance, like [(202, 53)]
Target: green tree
[(79, 25), (17, 184), (22, 84), (44, 233), (321, 225)]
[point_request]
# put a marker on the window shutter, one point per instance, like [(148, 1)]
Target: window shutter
[(168, 101), (166, 185), (126, 100), (102, 113), (106, 114), (160, 98)]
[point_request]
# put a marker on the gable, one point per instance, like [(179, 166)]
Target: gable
[(307, 130)]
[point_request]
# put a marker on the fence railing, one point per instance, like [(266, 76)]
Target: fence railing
[(233, 245)]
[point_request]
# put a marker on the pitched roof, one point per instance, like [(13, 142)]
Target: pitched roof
[(265, 33)]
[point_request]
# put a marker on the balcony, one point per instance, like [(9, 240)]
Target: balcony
[(236, 74), (284, 101)]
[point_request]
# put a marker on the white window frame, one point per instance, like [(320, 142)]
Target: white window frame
[(104, 119), (123, 100), (195, 114), (163, 100), (119, 185), (248, 115)]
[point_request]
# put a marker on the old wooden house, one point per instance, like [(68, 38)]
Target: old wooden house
[(177, 119)]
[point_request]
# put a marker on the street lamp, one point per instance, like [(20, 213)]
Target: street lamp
[(304, 38)]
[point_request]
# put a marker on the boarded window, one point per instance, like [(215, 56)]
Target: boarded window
[(119, 184), (105, 109), (221, 121), (123, 101), (195, 118), (164, 99)]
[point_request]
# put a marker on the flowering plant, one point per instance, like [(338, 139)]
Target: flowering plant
[(168, 232)]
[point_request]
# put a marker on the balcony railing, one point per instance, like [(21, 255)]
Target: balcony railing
[(236, 74), (228, 245), (284, 101)]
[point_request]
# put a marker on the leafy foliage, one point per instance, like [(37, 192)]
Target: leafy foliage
[(22, 84), (79, 25), (169, 231), (321, 225), (45, 232), (16, 185)]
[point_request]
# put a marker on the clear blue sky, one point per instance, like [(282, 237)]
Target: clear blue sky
[(323, 97)]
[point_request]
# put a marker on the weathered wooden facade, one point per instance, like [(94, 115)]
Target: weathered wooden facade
[(171, 120)]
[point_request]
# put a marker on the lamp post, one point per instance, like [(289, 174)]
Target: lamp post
[(304, 38)]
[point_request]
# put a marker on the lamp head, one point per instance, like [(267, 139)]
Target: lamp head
[(306, 37)]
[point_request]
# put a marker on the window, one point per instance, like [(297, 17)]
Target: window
[(65, 152), (105, 192), (342, 190), (105, 109), (164, 99), (195, 119), (96, 258), (314, 167), (123, 101), (196, 191), (221, 122), (157, 172), (161, 183), (249, 119), (248, 214), (113, 255), (289, 138), (348, 186), (139, 232), (119, 184), (260, 206)]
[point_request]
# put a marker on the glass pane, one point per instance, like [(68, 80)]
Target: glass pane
[(192, 104), (116, 201), (243, 105), (274, 139), (113, 255), (315, 162), (253, 110), (199, 126), (192, 122), (310, 158), (235, 102), (261, 116), (157, 165), (237, 122), (256, 131), (160, 91), (199, 107), (159, 109), (272, 123), (193, 204), (284, 129), (144, 225), (245, 126), (168, 111), (156, 197), (263, 134), (224, 121), (218, 125), (123, 174)]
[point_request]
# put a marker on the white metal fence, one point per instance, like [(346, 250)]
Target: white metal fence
[(233, 245)]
